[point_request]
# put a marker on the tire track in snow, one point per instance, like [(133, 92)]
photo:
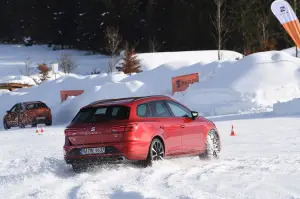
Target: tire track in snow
[(252, 165)]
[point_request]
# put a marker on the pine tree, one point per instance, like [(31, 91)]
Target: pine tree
[(131, 64)]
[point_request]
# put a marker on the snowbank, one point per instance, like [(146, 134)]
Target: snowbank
[(287, 108), (180, 59), (291, 51), (251, 84), (13, 58), (18, 79)]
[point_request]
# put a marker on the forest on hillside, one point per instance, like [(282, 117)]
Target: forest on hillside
[(247, 26)]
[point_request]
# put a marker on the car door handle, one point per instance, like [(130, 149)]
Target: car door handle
[(182, 126), (162, 127)]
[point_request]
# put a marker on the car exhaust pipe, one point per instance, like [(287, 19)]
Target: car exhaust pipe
[(121, 158)]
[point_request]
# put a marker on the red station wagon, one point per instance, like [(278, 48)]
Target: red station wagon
[(140, 130)]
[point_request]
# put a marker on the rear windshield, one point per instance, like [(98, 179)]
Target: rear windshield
[(102, 114), (35, 106)]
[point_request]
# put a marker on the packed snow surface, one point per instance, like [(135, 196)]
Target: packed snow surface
[(262, 161)]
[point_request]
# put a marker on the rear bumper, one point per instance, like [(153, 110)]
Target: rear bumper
[(114, 152), (96, 159)]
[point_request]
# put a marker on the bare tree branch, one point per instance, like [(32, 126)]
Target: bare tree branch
[(27, 68), (154, 46), (262, 19), (135, 44), (263, 22), (244, 8), (222, 24), (114, 40), (67, 63)]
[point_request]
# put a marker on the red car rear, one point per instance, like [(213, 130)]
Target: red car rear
[(138, 129)]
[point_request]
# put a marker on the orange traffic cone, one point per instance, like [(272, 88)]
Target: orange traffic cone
[(37, 129), (232, 132)]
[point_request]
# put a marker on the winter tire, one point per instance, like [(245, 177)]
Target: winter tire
[(5, 125), (213, 146), (156, 152)]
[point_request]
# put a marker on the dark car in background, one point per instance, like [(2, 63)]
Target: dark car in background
[(27, 113), (140, 130)]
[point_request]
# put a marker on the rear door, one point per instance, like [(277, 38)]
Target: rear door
[(105, 124), (171, 128), (191, 131)]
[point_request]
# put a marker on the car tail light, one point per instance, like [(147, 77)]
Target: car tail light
[(123, 128), (67, 141)]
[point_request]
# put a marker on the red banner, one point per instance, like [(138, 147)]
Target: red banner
[(66, 93), (181, 83)]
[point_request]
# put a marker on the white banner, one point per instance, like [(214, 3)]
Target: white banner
[(288, 19)]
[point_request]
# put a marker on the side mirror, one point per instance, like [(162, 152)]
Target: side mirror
[(8, 112), (195, 114)]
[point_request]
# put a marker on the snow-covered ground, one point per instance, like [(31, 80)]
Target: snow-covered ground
[(252, 84), (262, 161), (14, 57), (17, 79), (158, 68), (291, 51)]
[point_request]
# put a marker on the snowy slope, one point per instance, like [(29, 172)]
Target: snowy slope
[(291, 107), (96, 87), (260, 162), (262, 78), (291, 51), (180, 59), (251, 84), (13, 57)]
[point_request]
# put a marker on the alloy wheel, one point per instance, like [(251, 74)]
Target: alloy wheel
[(157, 150)]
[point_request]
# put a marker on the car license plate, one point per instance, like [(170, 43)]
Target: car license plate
[(92, 151)]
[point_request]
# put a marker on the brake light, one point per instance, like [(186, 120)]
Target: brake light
[(67, 141), (123, 128)]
